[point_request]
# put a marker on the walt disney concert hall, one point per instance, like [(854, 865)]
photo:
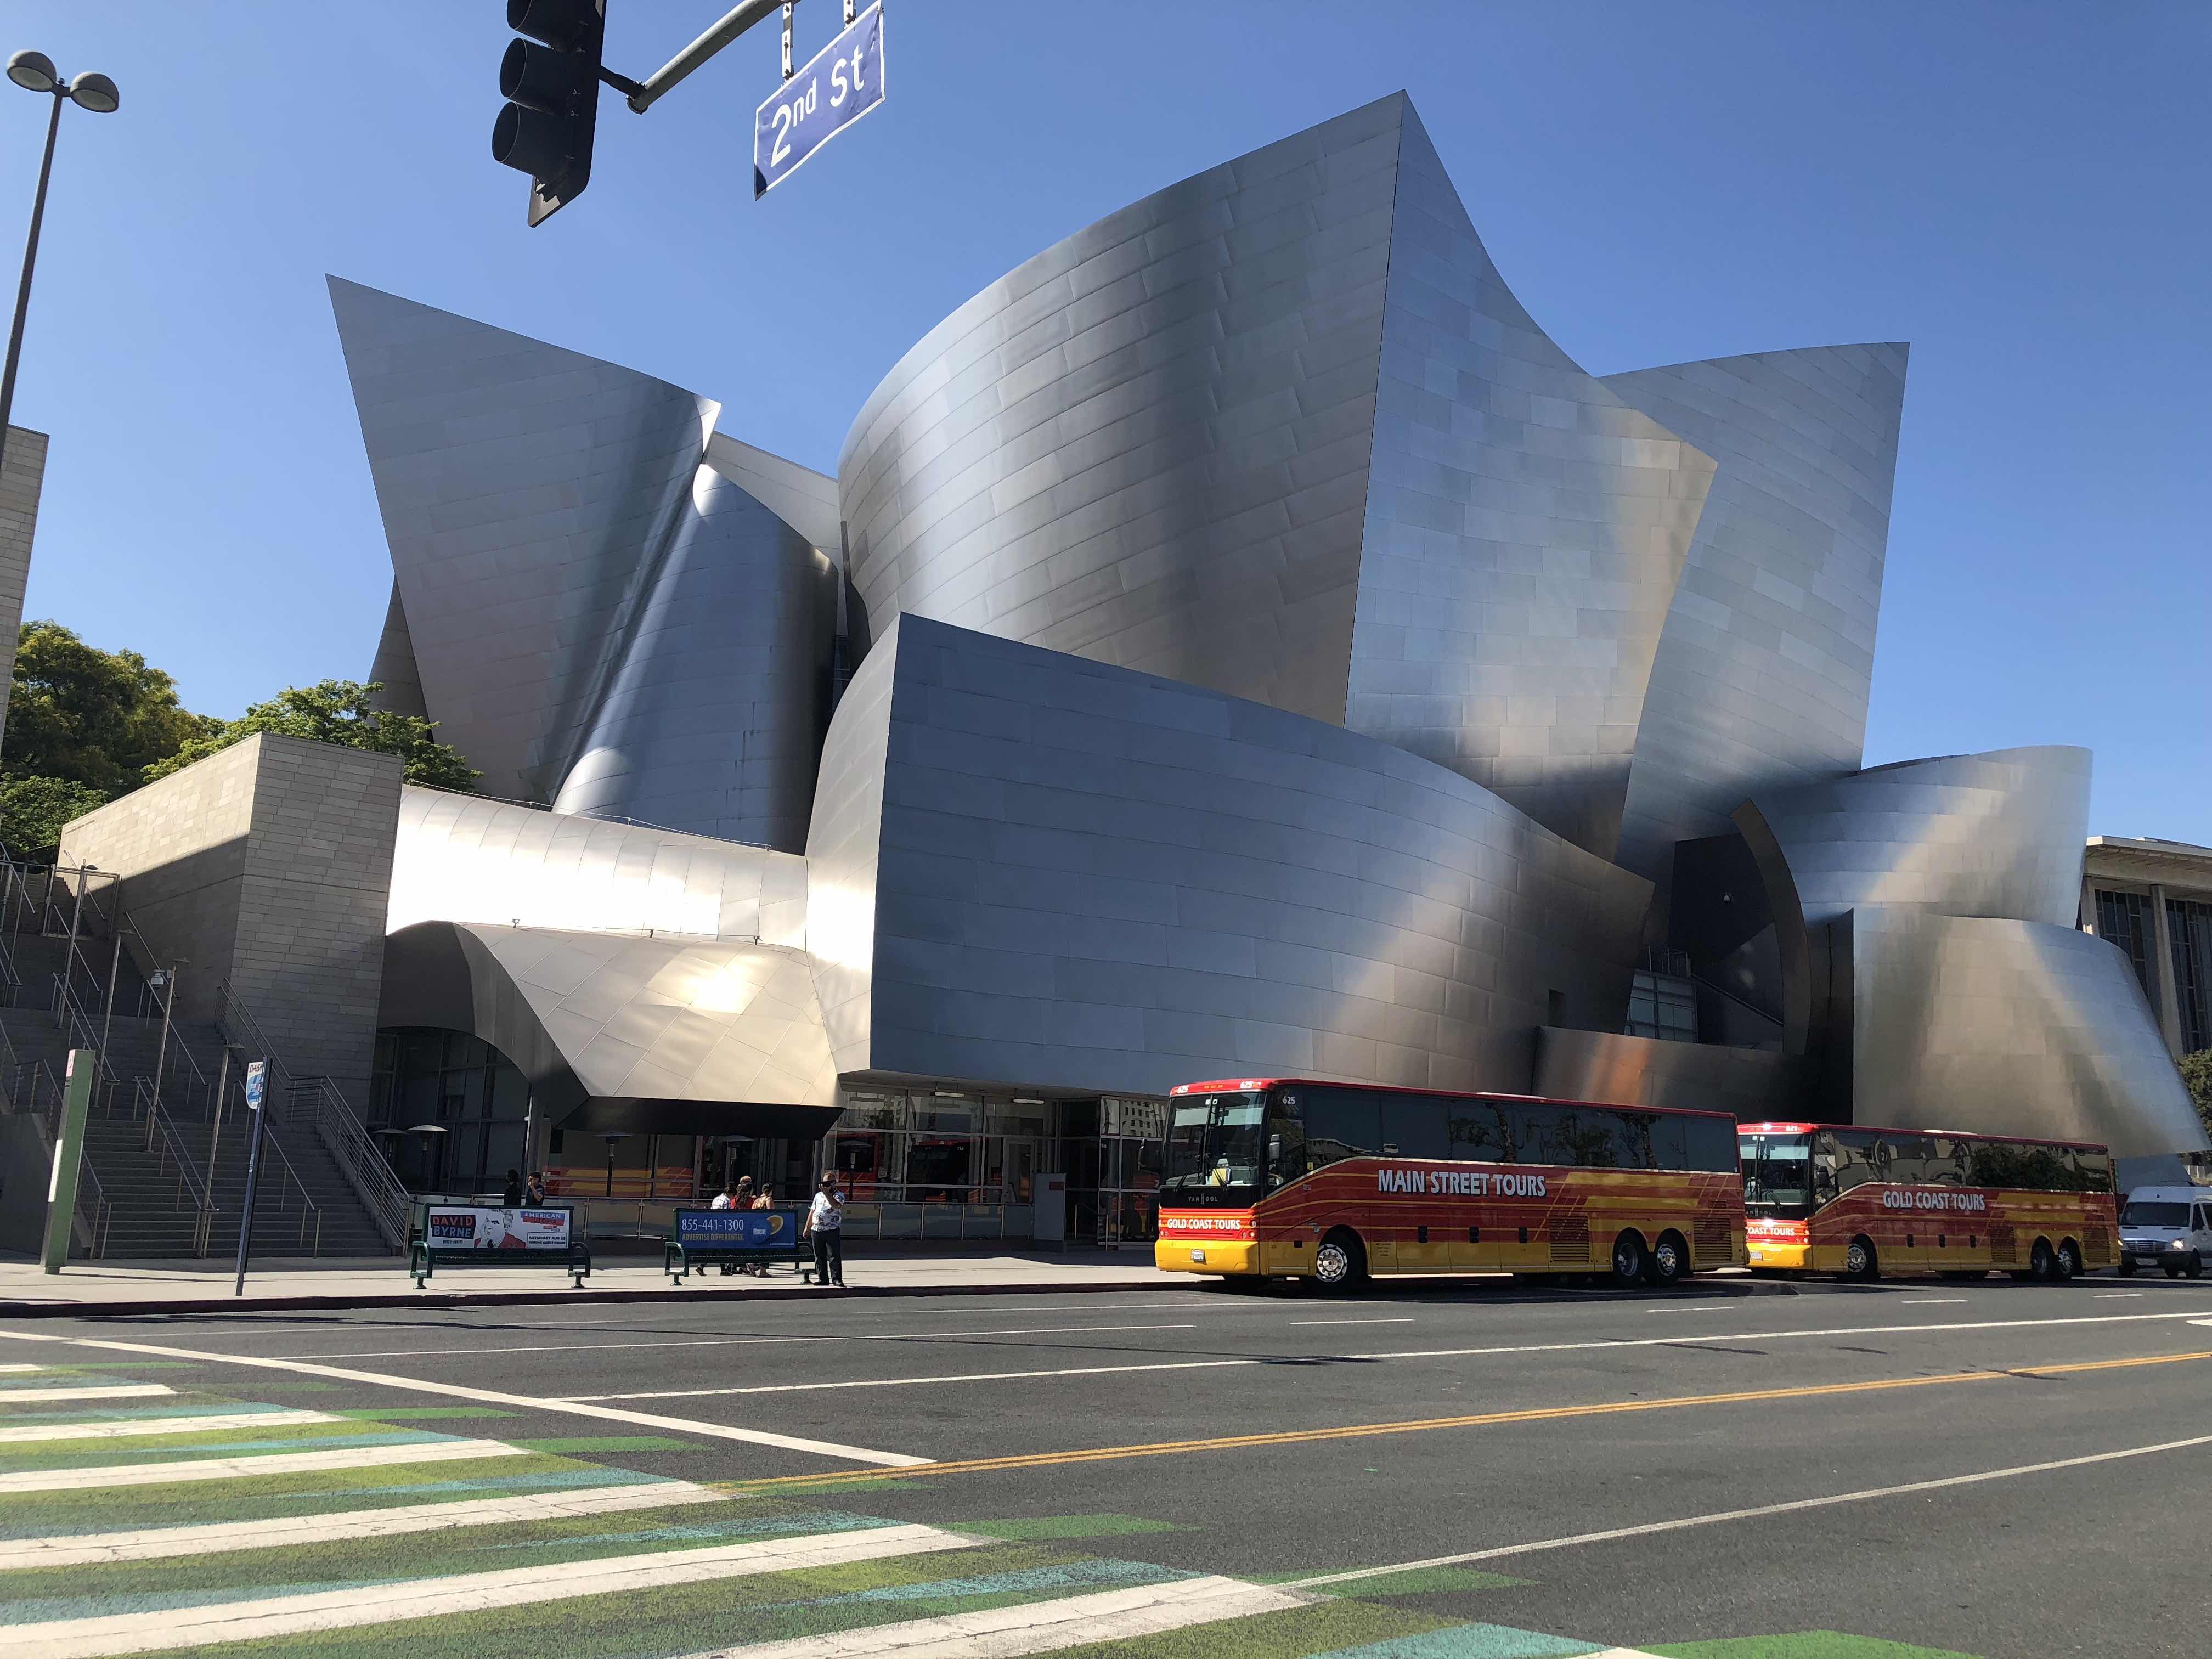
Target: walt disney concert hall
[(1237, 641)]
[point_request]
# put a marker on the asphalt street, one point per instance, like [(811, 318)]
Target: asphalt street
[(1992, 1469)]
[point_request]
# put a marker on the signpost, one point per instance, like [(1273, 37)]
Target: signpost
[(83, 1066), (840, 84), (256, 1086)]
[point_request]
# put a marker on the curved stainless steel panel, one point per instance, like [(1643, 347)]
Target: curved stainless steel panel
[(1525, 528), (713, 719), (1086, 877), (524, 491), (1633, 1071), (465, 858), (601, 1018), (1998, 833), (1149, 445), (600, 615), (1763, 670), (394, 668), (2009, 1028)]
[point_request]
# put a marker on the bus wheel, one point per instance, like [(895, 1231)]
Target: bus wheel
[(1340, 1262), (1860, 1261), (1631, 1261), (1670, 1261), (2069, 1259), (2042, 1262)]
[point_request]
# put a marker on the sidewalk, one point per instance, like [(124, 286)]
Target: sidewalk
[(106, 1289)]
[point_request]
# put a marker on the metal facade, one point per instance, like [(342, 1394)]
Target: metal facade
[(596, 615), (1090, 879), (1764, 668)]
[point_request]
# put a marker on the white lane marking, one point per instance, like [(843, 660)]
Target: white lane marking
[(119, 1428), (1650, 1528), (1040, 1627), (220, 1537), (489, 1396), (21, 1368), (117, 1391), (2114, 1295), (1934, 1302), (275, 1616), (253, 1466), (734, 1341), (1415, 1353), (919, 1382), (1693, 1307), (1351, 1321)]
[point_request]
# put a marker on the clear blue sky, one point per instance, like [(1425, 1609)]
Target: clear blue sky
[(2020, 190)]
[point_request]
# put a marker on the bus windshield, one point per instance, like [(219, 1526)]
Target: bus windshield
[(1215, 1145), (1778, 1175)]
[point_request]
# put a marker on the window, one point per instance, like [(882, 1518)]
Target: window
[(2191, 926), (1589, 1136), (1479, 1129), (1663, 1006), (1340, 1123), (1414, 1125), (1709, 1143), (2122, 918), (1844, 1158)]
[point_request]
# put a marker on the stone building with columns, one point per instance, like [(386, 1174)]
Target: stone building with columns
[(2153, 898)]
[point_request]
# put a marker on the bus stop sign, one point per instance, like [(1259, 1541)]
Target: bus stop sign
[(840, 84), (257, 1082)]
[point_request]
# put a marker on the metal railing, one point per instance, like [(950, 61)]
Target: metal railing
[(278, 1189), (165, 1143), (92, 1209), (314, 1103)]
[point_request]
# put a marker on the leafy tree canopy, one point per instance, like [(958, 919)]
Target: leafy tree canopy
[(86, 716), (2197, 1073), (33, 809), (340, 712)]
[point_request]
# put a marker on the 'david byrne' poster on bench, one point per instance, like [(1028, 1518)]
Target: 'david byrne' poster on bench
[(487, 1227)]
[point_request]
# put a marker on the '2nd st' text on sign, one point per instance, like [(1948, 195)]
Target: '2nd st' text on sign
[(840, 84)]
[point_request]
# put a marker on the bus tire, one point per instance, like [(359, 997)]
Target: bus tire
[(1861, 1260), (1341, 1262), (1631, 1261), (2069, 1261), (2043, 1262), (1670, 1261)]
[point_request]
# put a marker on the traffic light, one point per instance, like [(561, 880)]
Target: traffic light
[(551, 84)]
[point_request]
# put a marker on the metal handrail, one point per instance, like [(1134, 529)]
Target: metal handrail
[(310, 1241), (160, 1127), (102, 1211), (317, 1103)]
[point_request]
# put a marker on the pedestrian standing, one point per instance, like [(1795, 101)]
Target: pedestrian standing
[(510, 1196), (825, 1222), (725, 1200), (534, 1193)]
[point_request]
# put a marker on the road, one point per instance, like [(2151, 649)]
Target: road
[(1421, 1471)]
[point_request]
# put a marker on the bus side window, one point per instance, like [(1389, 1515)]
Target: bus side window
[(1414, 1125), (1340, 1123), (1709, 1144), (1948, 1165), (1537, 1134), (1855, 1153), (1479, 1129), (2096, 1171), (1668, 1139)]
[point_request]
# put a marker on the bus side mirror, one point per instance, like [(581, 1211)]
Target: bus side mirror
[(1274, 1150)]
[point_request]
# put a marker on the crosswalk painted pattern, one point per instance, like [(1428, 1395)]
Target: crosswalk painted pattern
[(205, 1524)]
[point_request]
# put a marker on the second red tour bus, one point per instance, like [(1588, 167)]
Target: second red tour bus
[(1270, 1177)]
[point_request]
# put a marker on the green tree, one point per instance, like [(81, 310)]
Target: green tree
[(33, 809), (2197, 1073), (340, 712), (83, 716)]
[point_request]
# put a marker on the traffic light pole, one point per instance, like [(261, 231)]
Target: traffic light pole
[(734, 23)]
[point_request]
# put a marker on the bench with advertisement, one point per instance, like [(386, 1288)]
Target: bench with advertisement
[(492, 1235), (733, 1238)]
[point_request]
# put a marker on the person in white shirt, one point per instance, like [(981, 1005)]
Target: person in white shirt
[(724, 1200), (825, 1223)]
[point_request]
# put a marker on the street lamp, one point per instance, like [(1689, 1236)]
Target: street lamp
[(34, 71)]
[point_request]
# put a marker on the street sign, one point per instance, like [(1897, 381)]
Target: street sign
[(257, 1082), (840, 84)]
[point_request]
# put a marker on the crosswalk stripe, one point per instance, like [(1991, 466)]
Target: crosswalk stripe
[(232, 1468), (119, 1428), (430, 1598), (216, 1538), (104, 1391), (20, 1367), (1039, 1626)]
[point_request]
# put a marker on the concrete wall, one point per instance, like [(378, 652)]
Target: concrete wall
[(22, 470), (269, 866)]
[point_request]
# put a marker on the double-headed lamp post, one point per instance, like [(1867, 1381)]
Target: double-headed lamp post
[(34, 71)]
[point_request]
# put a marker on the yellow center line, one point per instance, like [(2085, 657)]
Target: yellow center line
[(1425, 1424)]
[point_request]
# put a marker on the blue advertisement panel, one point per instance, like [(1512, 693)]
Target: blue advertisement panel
[(840, 84), (738, 1229)]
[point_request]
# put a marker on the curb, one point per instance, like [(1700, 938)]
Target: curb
[(524, 1298)]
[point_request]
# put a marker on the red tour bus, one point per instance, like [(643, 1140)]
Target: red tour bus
[(1827, 1198), (1269, 1177)]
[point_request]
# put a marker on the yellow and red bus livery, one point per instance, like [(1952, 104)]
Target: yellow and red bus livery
[(1270, 1177), (1841, 1199)]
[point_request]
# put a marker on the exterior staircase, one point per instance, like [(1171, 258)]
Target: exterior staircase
[(167, 1161)]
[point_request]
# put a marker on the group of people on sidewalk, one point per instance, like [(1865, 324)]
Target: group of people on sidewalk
[(824, 1224), (519, 1193)]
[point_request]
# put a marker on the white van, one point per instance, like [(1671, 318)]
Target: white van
[(2169, 1227)]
